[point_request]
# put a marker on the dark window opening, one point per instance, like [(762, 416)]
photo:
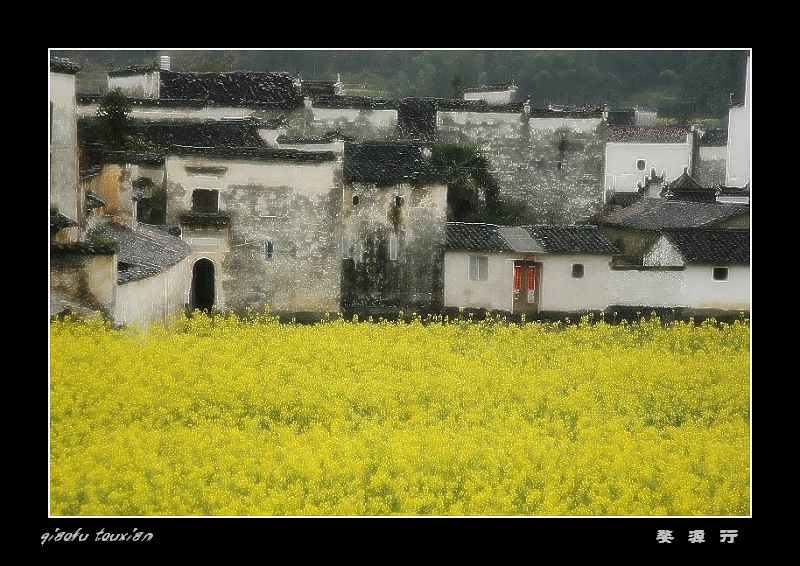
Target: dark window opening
[(203, 291), (270, 250), (640, 165), (577, 270), (398, 201), (205, 200), (720, 274), (559, 165), (356, 200)]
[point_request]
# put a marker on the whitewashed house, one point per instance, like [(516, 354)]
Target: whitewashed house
[(531, 270), (714, 266), (632, 152)]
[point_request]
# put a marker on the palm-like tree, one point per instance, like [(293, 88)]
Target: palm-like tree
[(471, 187)]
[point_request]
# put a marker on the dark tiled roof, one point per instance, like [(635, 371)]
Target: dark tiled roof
[(622, 117), (357, 102), (387, 163), (208, 133), (646, 134), (256, 153), (714, 138), (204, 218), (132, 70), (318, 87), (237, 88), (663, 214), (550, 238), (684, 181), (94, 201), (623, 199), (58, 222), (475, 237), (145, 251), (571, 239), (712, 246), (491, 87), (59, 65), (735, 191), (566, 112)]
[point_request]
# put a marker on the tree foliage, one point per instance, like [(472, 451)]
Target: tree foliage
[(114, 127), (471, 188)]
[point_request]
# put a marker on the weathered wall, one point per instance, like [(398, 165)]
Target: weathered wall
[(90, 280), (293, 204), (709, 169), (156, 299), (358, 123), (393, 251), (64, 192), (553, 164)]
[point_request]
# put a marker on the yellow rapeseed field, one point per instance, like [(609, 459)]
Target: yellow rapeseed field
[(227, 416)]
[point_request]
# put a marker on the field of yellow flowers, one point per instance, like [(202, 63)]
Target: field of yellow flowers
[(227, 416)]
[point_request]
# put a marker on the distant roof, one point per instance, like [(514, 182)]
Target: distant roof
[(714, 138), (491, 87), (59, 65), (388, 162), (237, 88), (712, 245), (540, 238), (349, 101), (570, 239), (685, 187), (662, 214), (646, 134), (684, 181), (208, 133), (145, 251), (475, 236)]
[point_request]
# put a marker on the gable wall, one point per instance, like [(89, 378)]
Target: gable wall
[(369, 276), (64, 192), (621, 173)]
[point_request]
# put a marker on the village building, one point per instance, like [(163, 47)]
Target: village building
[(531, 270), (265, 190)]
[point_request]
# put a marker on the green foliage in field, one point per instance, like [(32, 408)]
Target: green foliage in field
[(227, 417)]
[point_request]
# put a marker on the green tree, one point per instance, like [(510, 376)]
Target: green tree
[(114, 123), (114, 127), (471, 188)]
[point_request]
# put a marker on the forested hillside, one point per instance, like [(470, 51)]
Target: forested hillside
[(681, 84)]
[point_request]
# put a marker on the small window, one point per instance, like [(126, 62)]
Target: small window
[(270, 250), (398, 201), (205, 200), (356, 200), (641, 164), (559, 165), (720, 274), (392, 247), (345, 247), (478, 268), (577, 270)]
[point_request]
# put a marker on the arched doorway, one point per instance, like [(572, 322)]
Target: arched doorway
[(203, 291)]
